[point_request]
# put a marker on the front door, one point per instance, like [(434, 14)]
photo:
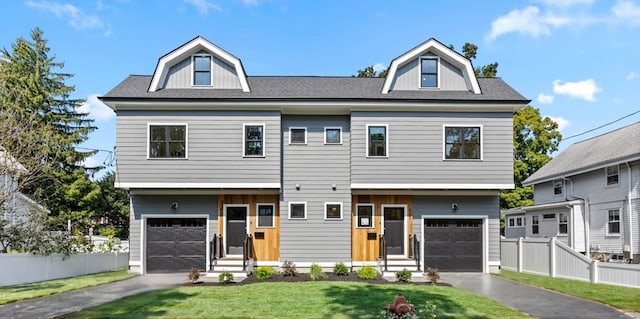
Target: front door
[(394, 230), (236, 229)]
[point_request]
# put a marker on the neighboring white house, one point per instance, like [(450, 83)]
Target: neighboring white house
[(587, 197), (13, 204)]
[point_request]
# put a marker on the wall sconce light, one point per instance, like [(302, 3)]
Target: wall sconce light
[(174, 205), (454, 207), (333, 186), (297, 187)]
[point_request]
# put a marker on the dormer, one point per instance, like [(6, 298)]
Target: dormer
[(199, 64), (431, 66)]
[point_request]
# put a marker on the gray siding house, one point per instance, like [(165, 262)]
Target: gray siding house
[(588, 197), (222, 166), (14, 205)]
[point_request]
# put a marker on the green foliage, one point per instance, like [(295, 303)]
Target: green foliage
[(33, 235), (109, 232), (264, 272), (370, 72), (367, 273), (316, 272), (225, 277), (289, 268), (403, 275), (340, 269)]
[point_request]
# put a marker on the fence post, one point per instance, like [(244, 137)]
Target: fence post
[(594, 272), (519, 253), (552, 257)]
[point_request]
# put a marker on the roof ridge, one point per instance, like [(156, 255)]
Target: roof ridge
[(606, 133)]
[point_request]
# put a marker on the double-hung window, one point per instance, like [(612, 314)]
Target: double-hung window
[(429, 72), (167, 141), (557, 187), (253, 140), (612, 175), (613, 224), (377, 140), (535, 224), (516, 222), (462, 142), (563, 223), (201, 70)]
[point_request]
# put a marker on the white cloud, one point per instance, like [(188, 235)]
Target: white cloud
[(250, 3), (90, 162), (96, 109), (627, 11), (203, 6), (527, 21), (583, 89), (378, 67), (545, 99), (562, 123), (632, 75), (565, 3), (78, 19)]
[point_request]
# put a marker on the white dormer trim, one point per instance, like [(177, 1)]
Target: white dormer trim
[(186, 51), (440, 50)]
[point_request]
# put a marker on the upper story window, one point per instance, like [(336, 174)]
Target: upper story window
[(557, 186), (333, 135), (167, 141), (462, 142), (612, 175), (429, 72), (253, 140), (201, 70), (298, 135), (377, 140), (613, 224), (562, 223)]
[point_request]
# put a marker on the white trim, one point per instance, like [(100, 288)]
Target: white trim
[(332, 128), (606, 226), (193, 70), (135, 263), (305, 136), (373, 214), (224, 223), (332, 203), (429, 57), (430, 186), (273, 217), (305, 210), (406, 226), (386, 141), (444, 142), (515, 221), (494, 263), (264, 139), (197, 185), (186, 140)]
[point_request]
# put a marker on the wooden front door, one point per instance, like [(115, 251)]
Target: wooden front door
[(236, 232), (394, 230)]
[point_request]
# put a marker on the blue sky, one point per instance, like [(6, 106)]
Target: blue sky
[(577, 60)]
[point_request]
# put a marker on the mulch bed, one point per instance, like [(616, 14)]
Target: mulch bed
[(303, 277)]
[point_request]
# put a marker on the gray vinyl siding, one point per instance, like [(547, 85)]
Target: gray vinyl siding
[(515, 232), (315, 167), (214, 148), (416, 142), (161, 204), (449, 77), (424, 206), (224, 75)]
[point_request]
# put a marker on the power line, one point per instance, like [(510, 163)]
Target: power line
[(601, 126)]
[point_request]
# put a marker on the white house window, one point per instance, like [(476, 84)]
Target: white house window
[(429, 72), (557, 187), (266, 215), (516, 222), (332, 135), (364, 215), (462, 142), (201, 70), (613, 225), (333, 210), (377, 140), (298, 135), (535, 224), (167, 141), (612, 175), (253, 140), (549, 216), (297, 210), (562, 223)]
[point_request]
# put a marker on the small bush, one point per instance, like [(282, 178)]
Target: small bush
[(340, 269), (367, 273), (225, 277), (264, 272), (316, 272), (289, 268), (403, 275), (433, 274), (194, 274)]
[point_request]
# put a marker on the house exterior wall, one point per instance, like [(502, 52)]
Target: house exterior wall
[(212, 137), (316, 167), (223, 75), (515, 231), (449, 77)]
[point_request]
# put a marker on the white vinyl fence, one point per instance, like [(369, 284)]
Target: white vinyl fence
[(550, 257), (26, 268)]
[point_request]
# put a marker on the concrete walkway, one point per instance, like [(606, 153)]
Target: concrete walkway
[(536, 302), (72, 301)]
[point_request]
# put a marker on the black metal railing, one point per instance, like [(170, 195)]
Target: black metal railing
[(216, 247), (383, 252), (247, 253), (415, 250)]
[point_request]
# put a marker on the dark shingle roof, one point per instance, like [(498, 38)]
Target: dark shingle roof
[(310, 87), (607, 149)]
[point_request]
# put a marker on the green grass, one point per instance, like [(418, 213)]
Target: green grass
[(623, 298), (45, 288), (296, 300)]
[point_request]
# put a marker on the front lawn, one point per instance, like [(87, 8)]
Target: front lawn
[(623, 298), (296, 300), (45, 288)]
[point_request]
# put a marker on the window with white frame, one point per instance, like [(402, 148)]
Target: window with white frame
[(364, 215), (333, 210), (201, 70), (429, 72), (535, 224), (253, 140), (333, 135), (462, 142), (298, 135), (516, 222), (557, 187), (563, 223), (612, 175), (377, 140), (266, 215), (298, 210), (613, 224), (167, 140)]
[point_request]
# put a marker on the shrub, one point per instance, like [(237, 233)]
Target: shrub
[(367, 272), (433, 274), (264, 272), (225, 277), (403, 275), (340, 269), (194, 275), (289, 268), (316, 272)]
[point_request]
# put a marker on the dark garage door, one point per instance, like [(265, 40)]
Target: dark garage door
[(176, 244), (453, 245)]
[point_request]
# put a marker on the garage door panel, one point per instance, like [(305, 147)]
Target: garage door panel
[(453, 245), (175, 244)]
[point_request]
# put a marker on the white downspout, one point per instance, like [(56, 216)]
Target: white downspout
[(629, 207), (587, 219)]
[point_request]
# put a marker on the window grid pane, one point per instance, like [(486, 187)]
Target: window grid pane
[(202, 70), (377, 141), (614, 221), (253, 140), (462, 143), (167, 141), (429, 73)]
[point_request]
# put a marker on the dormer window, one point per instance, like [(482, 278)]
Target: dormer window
[(429, 72), (201, 70)]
